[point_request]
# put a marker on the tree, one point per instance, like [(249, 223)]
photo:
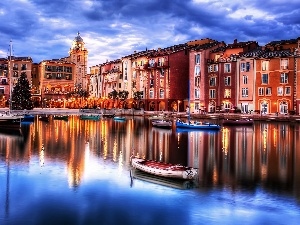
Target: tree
[(21, 95), (123, 95), (137, 95)]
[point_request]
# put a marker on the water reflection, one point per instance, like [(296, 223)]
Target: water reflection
[(265, 155)]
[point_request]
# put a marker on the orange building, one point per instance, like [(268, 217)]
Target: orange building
[(275, 85)]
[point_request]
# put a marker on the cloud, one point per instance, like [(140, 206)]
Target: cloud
[(111, 29)]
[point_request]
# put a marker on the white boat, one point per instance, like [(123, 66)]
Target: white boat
[(164, 169), (162, 123), (197, 125)]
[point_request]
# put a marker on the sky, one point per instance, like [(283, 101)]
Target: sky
[(111, 29)]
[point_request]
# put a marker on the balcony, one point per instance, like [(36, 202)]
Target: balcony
[(152, 65), (164, 64)]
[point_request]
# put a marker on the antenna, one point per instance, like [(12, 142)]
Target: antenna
[(9, 75)]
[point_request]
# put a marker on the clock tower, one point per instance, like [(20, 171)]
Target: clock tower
[(78, 54)]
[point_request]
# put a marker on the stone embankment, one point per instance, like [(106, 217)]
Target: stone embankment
[(133, 112)]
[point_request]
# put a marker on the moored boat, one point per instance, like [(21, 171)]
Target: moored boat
[(164, 169), (10, 121), (45, 118), (119, 118), (236, 122), (162, 123), (89, 117), (28, 118), (60, 117), (197, 125)]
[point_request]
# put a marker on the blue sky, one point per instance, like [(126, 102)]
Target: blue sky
[(45, 29)]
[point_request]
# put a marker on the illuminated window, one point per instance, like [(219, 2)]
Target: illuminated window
[(284, 64), (265, 65), (227, 93)]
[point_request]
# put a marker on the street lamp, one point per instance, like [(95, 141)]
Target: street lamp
[(178, 105)]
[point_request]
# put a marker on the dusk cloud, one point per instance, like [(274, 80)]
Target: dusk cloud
[(111, 29)]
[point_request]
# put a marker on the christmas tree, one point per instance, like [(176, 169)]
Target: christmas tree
[(21, 95)]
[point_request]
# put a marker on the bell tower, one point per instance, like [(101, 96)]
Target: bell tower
[(78, 54)]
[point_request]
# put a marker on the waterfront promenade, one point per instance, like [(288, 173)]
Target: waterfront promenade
[(133, 112)]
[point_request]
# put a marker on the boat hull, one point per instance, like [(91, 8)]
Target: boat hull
[(205, 126), (10, 122), (90, 117), (162, 124), (238, 122), (164, 169)]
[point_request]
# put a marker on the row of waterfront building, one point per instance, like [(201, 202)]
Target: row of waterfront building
[(205, 75)]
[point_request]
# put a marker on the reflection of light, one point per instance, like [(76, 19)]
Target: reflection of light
[(225, 138), (115, 151), (178, 140), (120, 161), (42, 156), (265, 139), (275, 136)]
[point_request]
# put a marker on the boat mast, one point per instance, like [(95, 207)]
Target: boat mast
[(10, 77)]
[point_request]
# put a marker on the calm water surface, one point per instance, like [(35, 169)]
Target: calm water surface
[(78, 172)]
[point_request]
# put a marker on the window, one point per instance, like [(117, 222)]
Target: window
[(151, 93), (245, 79), (197, 81), (197, 70), (227, 81), (264, 78), (283, 78), (134, 75), (247, 66), (215, 67), (212, 81), (151, 83), (162, 72), (287, 91), (2, 90), (279, 91), (268, 91), (261, 91), (227, 67), (284, 64), (243, 67), (161, 82), (24, 67), (227, 93), (212, 93), (210, 68), (197, 59), (244, 92), (265, 65), (197, 93), (283, 107), (161, 93)]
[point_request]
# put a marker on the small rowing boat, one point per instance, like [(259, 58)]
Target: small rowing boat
[(164, 169)]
